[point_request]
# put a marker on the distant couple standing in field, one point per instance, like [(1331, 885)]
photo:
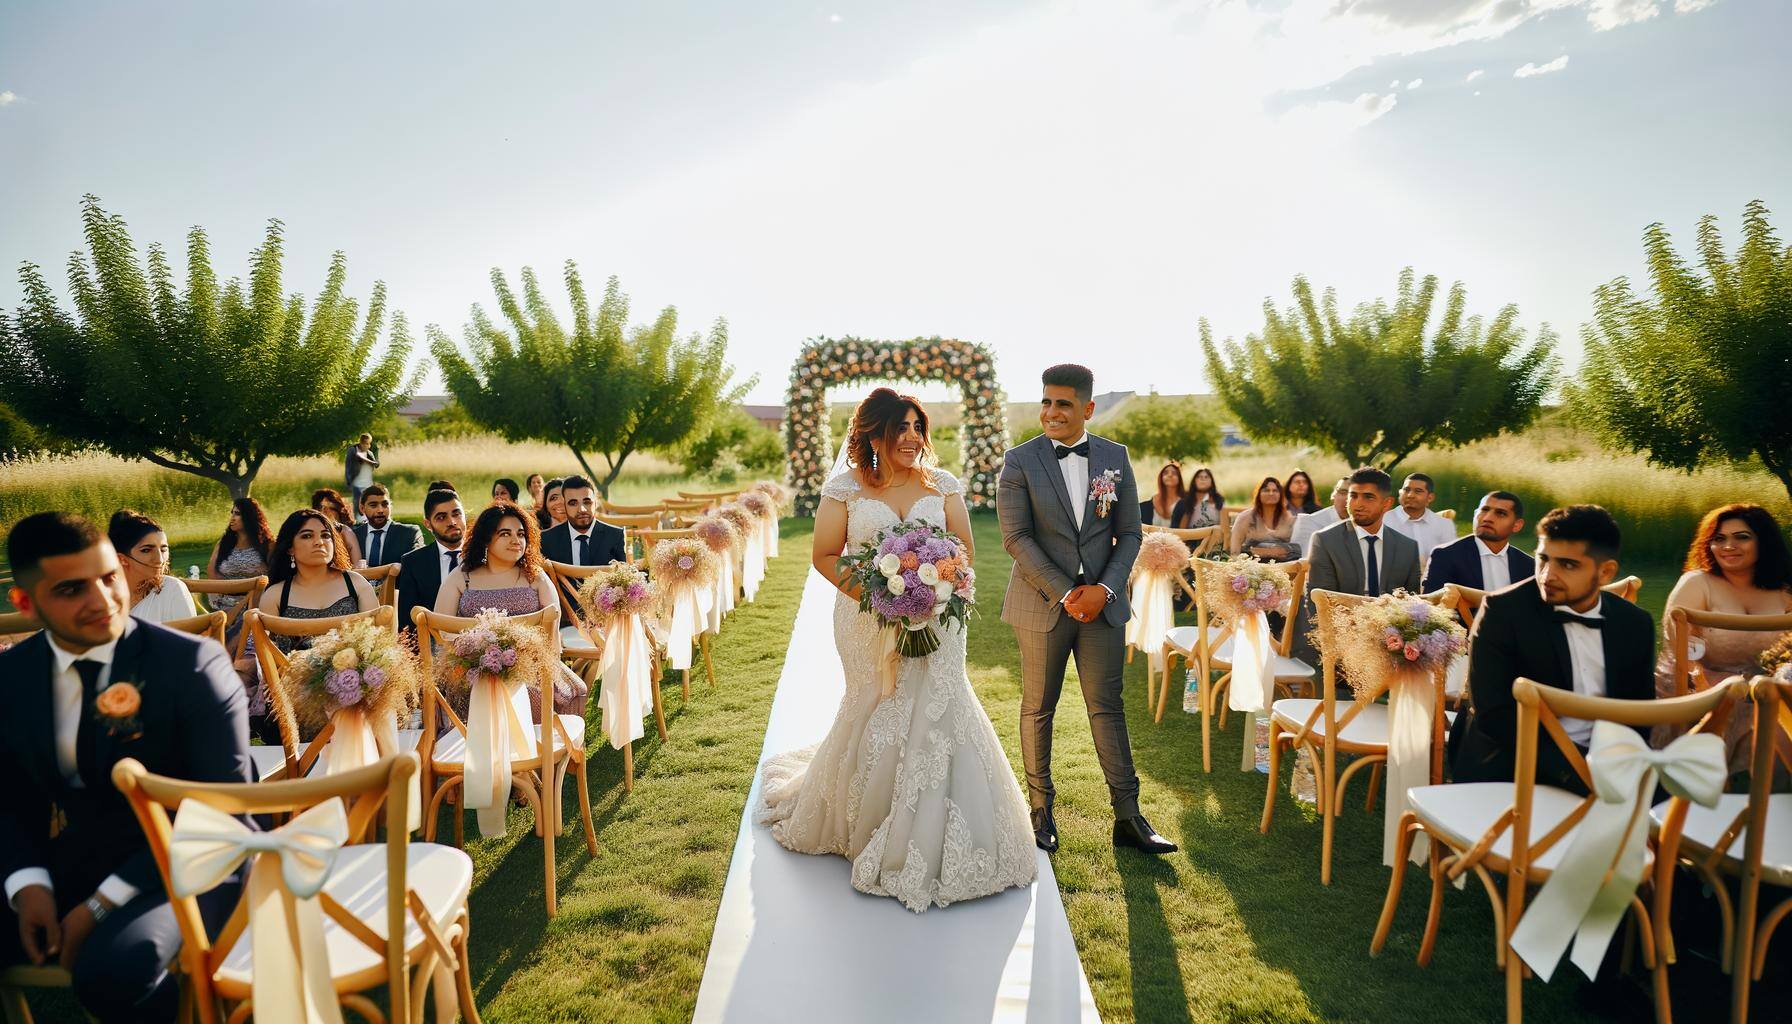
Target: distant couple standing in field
[(914, 788)]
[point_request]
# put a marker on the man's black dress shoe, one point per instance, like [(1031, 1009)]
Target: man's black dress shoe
[(1045, 830), (1137, 833)]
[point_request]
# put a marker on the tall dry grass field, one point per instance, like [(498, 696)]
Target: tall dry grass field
[(192, 509)]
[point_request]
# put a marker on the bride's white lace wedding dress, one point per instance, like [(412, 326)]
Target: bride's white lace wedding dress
[(914, 790)]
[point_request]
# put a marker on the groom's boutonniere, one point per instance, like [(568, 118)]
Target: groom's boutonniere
[(116, 709), (1103, 491)]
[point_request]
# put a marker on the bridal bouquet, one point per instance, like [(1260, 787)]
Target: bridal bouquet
[(913, 577)]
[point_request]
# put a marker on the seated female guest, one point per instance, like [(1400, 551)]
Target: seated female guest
[(1160, 508), (241, 553), (501, 568), (535, 485), (552, 511), (1266, 529), (1299, 489), (1738, 564), (143, 554), (310, 577), (1202, 506), (330, 503), (505, 489)]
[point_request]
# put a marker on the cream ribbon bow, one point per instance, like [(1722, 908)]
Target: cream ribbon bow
[(682, 626), (358, 741), (291, 983), (1153, 613), (1590, 890), (1412, 703), (498, 719), (1252, 680), (627, 670)]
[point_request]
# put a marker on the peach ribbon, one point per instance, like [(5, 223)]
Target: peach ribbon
[(356, 742), (498, 720), (627, 669), (1153, 615), (770, 528), (683, 626), (291, 982), (725, 591), (1252, 679)]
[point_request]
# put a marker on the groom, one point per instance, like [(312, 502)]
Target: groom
[(1069, 512)]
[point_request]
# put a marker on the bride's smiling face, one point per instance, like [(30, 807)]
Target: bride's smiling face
[(904, 448)]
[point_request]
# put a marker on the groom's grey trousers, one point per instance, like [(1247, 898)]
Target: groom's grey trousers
[(1100, 652)]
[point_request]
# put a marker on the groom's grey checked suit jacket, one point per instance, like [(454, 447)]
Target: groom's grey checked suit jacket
[(1039, 532)]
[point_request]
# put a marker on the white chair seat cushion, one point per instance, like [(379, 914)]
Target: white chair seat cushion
[(1462, 812), (1284, 666), (1704, 827), (1183, 638), (451, 748), (441, 875), (571, 637), (1369, 728), (268, 760), (407, 740)]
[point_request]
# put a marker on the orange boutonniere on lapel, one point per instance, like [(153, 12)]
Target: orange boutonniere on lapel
[(116, 708)]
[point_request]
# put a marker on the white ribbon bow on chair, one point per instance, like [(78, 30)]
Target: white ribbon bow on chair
[(498, 719), (1153, 614), (1253, 682), (291, 963), (1588, 893), (627, 669)]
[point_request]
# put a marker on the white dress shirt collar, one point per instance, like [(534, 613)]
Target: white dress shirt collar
[(1080, 438), (63, 659), (1487, 552), (1362, 534)]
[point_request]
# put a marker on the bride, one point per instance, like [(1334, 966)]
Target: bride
[(914, 789)]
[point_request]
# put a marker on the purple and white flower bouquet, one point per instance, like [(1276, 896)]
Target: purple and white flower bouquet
[(914, 577)]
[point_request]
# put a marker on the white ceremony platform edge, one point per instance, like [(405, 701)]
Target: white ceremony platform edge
[(794, 941)]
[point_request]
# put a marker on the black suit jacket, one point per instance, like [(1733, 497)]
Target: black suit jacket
[(606, 544), (194, 724), (419, 580), (1516, 636), (1459, 562), (401, 539)]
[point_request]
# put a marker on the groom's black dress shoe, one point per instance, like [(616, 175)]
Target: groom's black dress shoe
[(1137, 833), (1045, 830)]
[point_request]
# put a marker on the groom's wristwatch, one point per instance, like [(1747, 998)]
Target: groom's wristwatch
[(1110, 593)]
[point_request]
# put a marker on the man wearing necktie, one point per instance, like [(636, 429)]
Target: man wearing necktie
[(383, 539), (1073, 547), (1559, 629), (1360, 554), (583, 539), (95, 686), (421, 572)]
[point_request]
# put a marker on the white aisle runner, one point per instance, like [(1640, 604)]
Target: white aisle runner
[(795, 942)]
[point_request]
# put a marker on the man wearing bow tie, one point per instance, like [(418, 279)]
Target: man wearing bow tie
[(1559, 629)]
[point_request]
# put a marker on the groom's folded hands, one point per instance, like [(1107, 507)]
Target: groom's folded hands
[(1084, 603)]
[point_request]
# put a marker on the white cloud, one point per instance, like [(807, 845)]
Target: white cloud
[(1605, 15), (1530, 70), (8, 98), (1415, 83), (834, 18), (1472, 75), (1691, 6)]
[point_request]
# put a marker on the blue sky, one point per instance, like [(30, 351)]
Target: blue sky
[(1063, 181)]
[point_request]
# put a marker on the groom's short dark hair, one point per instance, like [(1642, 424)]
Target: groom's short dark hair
[(1589, 523), (1070, 375)]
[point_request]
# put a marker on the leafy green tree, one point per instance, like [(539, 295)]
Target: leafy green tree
[(1374, 388), (598, 386), (733, 441), (451, 420), (212, 382), (1170, 428), (1699, 374)]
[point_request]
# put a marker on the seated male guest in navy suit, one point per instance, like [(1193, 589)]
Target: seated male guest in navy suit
[(1486, 559), (1558, 629), (383, 540), (582, 540), (94, 687), (421, 572)]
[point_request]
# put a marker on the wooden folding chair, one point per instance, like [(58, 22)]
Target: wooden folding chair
[(17, 979), (296, 756), (1682, 622), (651, 539), (537, 774), (610, 508), (1522, 829), (688, 506), (1360, 732), (1765, 828), (589, 657), (210, 624), (384, 580), (393, 912), (713, 497), (1199, 541), (1207, 646), (631, 526), (249, 590)]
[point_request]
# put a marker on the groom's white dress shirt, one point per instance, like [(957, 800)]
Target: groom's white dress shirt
[(67, 700), (1076, 478)]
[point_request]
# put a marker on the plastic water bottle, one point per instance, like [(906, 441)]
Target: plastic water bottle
[(1304, 786), (1191, 692), (1262, 743), (192, 572)]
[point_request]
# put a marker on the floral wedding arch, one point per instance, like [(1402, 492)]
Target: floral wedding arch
[(831, 362)]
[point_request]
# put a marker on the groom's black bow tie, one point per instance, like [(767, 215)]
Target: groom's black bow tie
[(1571, 619), (1064, 450)]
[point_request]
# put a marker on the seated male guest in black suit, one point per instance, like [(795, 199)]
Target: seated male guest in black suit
[(383, 540), (1486, 559), (1561, 630), (1360, 555), (582, 540), (421, 572), (94, 687)]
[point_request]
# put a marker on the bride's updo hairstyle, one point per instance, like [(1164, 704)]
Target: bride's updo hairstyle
[(877, 424)]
